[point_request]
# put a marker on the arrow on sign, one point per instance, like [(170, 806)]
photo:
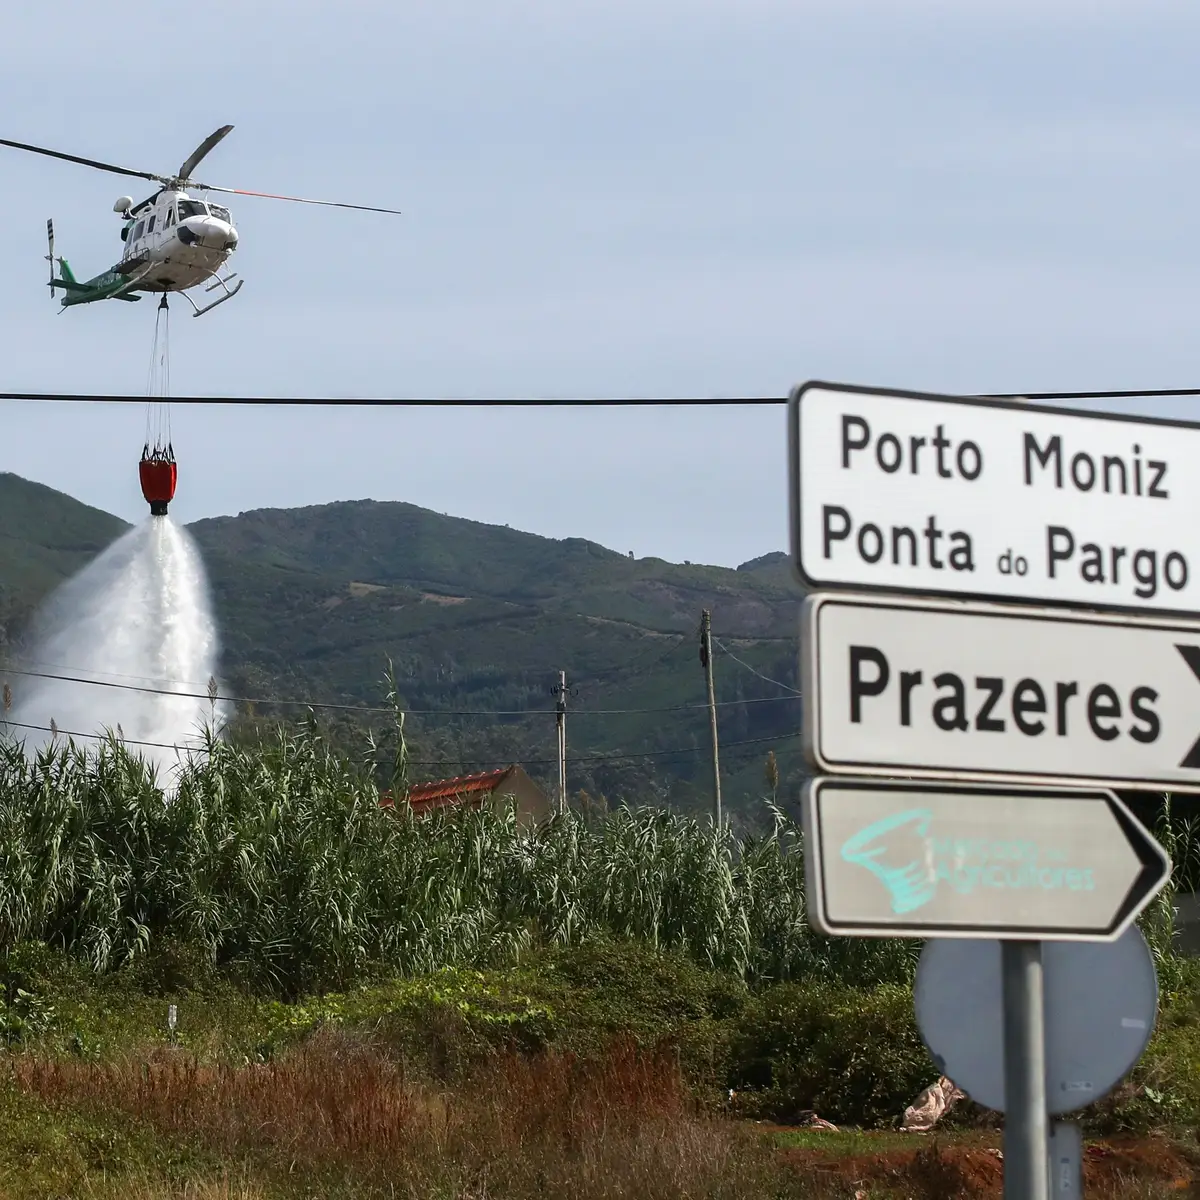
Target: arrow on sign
[(896, 859), (1191, 656)]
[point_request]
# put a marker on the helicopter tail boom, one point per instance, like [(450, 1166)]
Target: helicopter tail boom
[(70, 285), (111, 285)]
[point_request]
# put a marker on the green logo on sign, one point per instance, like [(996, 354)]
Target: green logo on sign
[(894, 851), (911, 863)]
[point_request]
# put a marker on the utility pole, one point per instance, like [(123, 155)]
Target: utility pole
[(706, 662), (561, 692)]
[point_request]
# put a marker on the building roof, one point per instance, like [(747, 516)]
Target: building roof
[(471, 789)]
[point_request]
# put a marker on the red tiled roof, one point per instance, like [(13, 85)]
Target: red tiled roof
[(461, 785), (440, 792)]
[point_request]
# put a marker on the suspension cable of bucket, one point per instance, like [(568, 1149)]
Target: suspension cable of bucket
[(157, 470)]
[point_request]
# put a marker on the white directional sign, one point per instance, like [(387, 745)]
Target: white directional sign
[(999, 500), (895, 859), (944, 689)]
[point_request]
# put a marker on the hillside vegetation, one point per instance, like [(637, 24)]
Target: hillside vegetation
[(313, 602)]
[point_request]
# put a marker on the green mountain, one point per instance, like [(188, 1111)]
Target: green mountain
[(477, 620), (45, 537)]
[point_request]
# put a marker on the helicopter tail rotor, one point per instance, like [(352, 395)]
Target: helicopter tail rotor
[(50, 256)]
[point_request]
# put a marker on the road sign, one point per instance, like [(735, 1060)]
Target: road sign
[(901, 492), (940, 688), (996, 499), (887, 858), (1100, 1004)]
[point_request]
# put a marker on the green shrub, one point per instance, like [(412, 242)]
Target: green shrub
[(29, 974), (610, 988), (615, 985), (175, 968), (852, 1055), (574, 999), (441, 1025), (1162, 1092)]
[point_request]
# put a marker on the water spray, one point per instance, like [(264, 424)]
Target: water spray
[(138, 614)]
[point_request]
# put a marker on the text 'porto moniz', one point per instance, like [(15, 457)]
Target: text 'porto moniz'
[(1048, 464)]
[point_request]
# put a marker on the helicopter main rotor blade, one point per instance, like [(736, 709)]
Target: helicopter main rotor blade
[(193, 160), (209, 187), (87, 162)]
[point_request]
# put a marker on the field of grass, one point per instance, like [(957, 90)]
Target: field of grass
[(367, 1005), (596, 1071)]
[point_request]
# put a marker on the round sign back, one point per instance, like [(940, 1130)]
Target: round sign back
[(1101, 1000)]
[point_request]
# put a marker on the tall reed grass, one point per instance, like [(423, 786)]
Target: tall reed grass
[(279, 859), (1180, 838)]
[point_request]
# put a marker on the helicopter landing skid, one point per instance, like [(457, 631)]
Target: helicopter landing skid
[(229, 295)]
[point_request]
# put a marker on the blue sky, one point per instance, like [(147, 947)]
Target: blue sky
[(601, 197)]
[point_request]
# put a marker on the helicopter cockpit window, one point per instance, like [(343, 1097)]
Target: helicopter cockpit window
[(170, 218), (219, 212), (138, 230), (150, 225), (191, 208)]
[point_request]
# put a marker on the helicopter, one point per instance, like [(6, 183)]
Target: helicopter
[(174, 241)]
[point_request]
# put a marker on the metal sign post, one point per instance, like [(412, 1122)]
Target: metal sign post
[(930, 504), (1026, 1154), (990, 1010), (1066, 1161)]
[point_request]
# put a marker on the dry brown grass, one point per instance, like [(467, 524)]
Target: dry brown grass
[(339, 1107), (339, 1117), (204, 1189)]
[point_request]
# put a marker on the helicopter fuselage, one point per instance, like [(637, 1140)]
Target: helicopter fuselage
[(175, 241)]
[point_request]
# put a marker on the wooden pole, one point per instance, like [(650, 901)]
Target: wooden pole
[(706, 659), (562, 741)]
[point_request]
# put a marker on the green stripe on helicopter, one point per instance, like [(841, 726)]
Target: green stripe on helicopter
[(111, 285)]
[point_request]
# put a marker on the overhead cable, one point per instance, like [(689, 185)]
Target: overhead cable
[(787, 687), (601, 757), (552, 401), (376, 709)]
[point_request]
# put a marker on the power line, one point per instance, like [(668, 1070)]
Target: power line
[(548, 401), (787, 687), (613, 756), (99, 737), (414, 401), (41, 662), (1110, 395), (375, 709), (602, 757), (610, 756)]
